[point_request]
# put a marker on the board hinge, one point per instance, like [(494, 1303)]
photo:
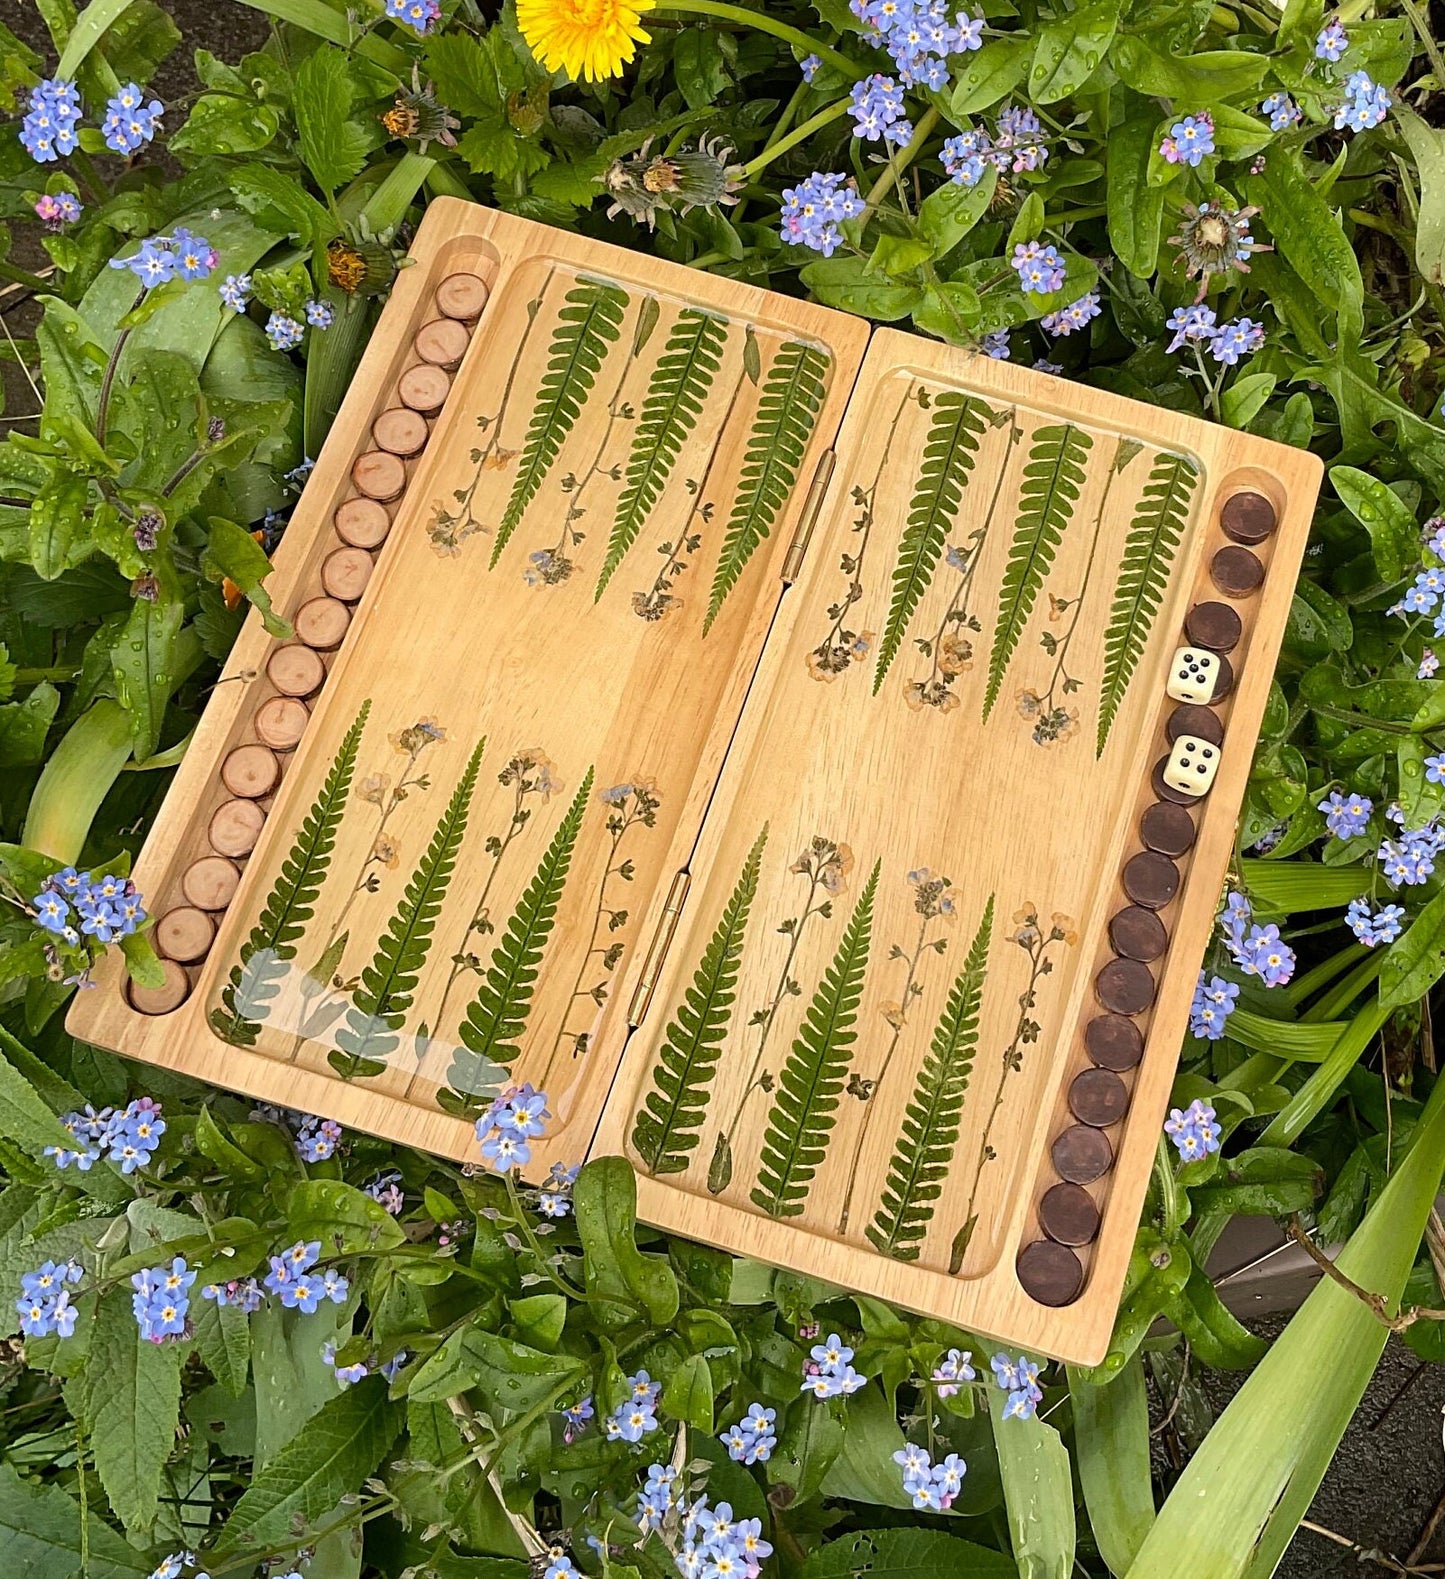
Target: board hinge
[(657, 953), (812, 506)]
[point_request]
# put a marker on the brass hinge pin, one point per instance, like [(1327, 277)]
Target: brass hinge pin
[(657, 953), (812, 507)]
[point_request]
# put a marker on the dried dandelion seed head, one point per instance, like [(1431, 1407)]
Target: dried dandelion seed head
[(359, 268), (1213, 239), (419, 117)]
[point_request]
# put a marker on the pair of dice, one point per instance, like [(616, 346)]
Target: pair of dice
[(1192, 762)]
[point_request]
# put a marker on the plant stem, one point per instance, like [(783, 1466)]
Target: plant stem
[(768, 24), (896, 166), (800, 134), (102, 409), (11, 271)]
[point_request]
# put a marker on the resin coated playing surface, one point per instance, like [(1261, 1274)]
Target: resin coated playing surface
[(796, 825)]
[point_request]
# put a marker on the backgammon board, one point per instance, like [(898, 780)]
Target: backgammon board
[(810, 755)]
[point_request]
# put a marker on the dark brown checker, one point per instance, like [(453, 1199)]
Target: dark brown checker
[(1098, 1097), (1247, 517), (1068, 1214), (1213, 625), (1190, 718), (1236, 571), (1137, 933), (1113, 1041), (1050, 1273), (1080, 1154), (1150, 879), (1167, 828), (1167, 791), (1124, 986)]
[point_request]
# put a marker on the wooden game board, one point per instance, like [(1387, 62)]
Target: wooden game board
[(751, 732)]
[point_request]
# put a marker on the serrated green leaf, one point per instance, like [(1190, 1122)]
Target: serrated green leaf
[(133, 1401), (256, 977), (588, 325), (949, 452), (1149, 550), (1052, 480), (331, 146), (341, 1445), (812, 1076), (792, 396), (924, 1153), (379, 1005), (665, 1129), (43, 1536), (675, 397), (497, 1017)]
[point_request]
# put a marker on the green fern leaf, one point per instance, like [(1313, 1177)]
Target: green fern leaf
[(948, 456), (921, 1159), (1052, 480), (498, 1015), (1149, 549), (665, 1130), (680, 382), (589, 323), (788, 407), (378, 1006), (257, 978), (813, 1073)]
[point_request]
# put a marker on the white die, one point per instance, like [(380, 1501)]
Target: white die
[(1192, 765), (1193, 675)]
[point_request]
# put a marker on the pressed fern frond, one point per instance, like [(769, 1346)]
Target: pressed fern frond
[(589, 322), (788, 407), (675, 397), (498, 1014), (665, 1129), (921, 1159), (1051, 483), (948, 456), (1149, 549), (378, 1006), (813, 1073), (257, 978)]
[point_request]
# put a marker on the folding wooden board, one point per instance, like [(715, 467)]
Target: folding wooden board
[(750, 731)]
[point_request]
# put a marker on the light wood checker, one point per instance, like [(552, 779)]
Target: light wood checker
[(591, 709)]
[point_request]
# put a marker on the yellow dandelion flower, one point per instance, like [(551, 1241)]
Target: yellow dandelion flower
[(588, 39)]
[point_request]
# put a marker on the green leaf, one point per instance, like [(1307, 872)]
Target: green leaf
[(812, 1076), (1052, 479), (687, 1394), (143, 662), (279, 202), (675, 398), (1136, 209), (25, 725), (540, 1319), (618, 1275), (1149, 550), (949, 451), (852, 284), (988, 74), (1111, 1447), (1070, 49), (588, 324), (947, 215), (346, 1220), (1394, 537), (1265, 1181), (341, 1445), (223, 1341), (332, 147), (929, 1132), (256, 978), (43, 1536), (1306, 232), (906, 1554), (864, 1471), (788, 405), (1245, 398), (1038, 1492), (497, 1017), (1416, 960), (134, 1399), (57, 514), (1427, 144), (665, 1129), (24, 1117), (238, 555), (1214, 1334), (1204, 76), (380, 1002)]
